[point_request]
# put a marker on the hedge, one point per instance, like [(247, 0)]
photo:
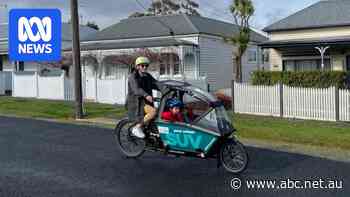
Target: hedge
[(317, 79)]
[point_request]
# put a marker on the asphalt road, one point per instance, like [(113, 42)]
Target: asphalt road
[(47, 159)]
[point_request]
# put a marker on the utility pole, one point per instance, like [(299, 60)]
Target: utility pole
[(76, 60)]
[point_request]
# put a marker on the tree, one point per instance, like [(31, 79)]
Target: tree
[(93, 25), (242, 11), (168, 7), (190, 7)]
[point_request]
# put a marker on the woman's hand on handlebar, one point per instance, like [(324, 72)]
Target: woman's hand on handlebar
[(149, 99)]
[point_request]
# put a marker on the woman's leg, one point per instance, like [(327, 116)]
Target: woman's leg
[(150, 113)]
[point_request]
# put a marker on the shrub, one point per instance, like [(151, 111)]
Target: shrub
[(316, 79)]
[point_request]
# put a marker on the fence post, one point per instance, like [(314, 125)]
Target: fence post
[(337, 103), (281, 99), (233, 95)]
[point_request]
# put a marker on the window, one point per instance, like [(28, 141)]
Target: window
[(176, 63), (306, 65), (252, 56), (265, 57), (164, 65), (170, 64)]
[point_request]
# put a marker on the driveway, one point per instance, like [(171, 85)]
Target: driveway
[(39, 158)]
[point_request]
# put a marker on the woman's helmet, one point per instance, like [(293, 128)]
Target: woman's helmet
[(142, 60), (174, 103)]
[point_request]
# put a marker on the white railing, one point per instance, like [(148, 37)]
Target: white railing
[(330, 104)]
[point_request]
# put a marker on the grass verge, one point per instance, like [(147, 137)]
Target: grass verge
[(35, 108), (306, 132)]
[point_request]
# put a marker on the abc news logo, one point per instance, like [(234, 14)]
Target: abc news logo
[(25, 32), (35, 35)]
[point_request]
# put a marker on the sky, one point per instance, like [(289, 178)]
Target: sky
[(108, 12)]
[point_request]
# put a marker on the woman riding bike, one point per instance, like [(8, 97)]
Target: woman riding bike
[(140, 101)]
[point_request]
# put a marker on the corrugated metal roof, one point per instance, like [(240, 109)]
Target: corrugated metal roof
[(157, 26), (326, 13)]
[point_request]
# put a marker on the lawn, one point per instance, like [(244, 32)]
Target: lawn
[(306, 132), (55, 109)]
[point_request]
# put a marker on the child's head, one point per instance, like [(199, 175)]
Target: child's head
[(174, 105), (175, 110)]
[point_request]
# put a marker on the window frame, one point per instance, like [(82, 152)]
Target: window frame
[(250, 51)]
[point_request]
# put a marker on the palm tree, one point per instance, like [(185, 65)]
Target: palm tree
[(242, 11)]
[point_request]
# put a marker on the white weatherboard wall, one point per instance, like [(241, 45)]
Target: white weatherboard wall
[(344, 105), (216, 62)]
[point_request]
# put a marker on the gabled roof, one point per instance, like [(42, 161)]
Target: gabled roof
[(157, 26), (326, 13)]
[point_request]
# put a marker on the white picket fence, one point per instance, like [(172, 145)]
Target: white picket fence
[(112, 91), (33, 85), (59, 87), (328, 104), (260, 100), (344, 105)]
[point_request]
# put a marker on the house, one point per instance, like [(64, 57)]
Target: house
[(293, 40), (8, 66), (182, 47)]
